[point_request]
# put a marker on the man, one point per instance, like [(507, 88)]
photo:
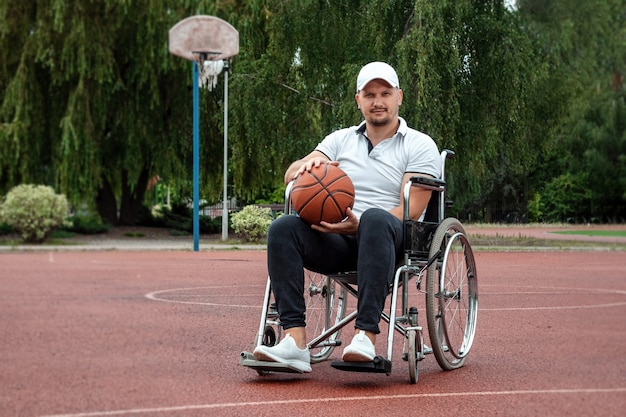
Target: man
[(379, 155)]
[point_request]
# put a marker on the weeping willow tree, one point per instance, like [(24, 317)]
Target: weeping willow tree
[(300, 85), (474, 76), (93, 102), (466, 69)]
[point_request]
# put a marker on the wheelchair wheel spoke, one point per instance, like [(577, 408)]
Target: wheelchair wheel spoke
[(325, 302)]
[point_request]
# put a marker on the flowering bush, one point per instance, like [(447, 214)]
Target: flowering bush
[(158, 211), (34, 211), (252, 223)]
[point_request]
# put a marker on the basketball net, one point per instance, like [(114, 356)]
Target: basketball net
[(208, 71)]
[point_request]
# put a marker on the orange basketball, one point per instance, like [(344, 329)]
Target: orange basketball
[(322, 194)]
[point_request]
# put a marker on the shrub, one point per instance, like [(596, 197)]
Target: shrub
[(181, 221), (210, 225), (5, 229), (252, 223), (534, 208), (163, 216), (565, 199), (34, 211), (87, 224)]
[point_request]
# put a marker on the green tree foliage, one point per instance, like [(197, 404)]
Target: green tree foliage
[(584, 44), (93, 103), (301, 85), (471, 74)]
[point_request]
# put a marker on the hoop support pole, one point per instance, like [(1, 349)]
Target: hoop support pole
[(225, 195), (196, 158)]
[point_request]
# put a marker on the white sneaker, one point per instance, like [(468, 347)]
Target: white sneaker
[(360, 350), (285, 352)]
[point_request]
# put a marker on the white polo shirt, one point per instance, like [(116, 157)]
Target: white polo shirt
[(377, 174)]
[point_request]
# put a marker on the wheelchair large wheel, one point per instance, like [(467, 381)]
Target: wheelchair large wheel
[(451, 295), (325, 306)]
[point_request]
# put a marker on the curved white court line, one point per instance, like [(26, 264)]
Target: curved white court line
[(555, 307), (556, 291), (582, 391), (155, 296)]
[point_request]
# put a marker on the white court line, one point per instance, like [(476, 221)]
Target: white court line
[(554, 307), (343, 399), (556, 291), (155, 296), (562, 290)]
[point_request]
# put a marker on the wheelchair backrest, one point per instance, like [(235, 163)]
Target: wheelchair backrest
[(418, 234), (432, 214)]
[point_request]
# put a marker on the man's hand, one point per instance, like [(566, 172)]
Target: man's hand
[(347, 227), (315, 162), (298, 167)]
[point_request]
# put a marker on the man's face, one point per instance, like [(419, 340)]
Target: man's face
[(379, 102)]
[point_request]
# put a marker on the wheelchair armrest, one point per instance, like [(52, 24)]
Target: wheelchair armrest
[(434, 184), (429, 183)]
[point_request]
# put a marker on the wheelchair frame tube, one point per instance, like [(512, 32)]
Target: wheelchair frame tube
[(266, 301), (288, 197), (442, 198), (328, 332), (406, 195), (392, 312)]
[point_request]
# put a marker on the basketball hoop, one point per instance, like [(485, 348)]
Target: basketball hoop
[(208, 70), (193, 38)]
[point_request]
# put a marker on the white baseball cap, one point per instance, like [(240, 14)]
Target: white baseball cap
[(377, 70)]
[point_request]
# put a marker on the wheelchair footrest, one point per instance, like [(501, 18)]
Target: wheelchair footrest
[(379, 365), (248, 359)]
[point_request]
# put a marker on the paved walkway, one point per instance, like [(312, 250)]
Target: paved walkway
[(161, 240), (134, 239), (135, 244)]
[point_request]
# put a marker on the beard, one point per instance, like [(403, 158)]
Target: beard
[(380, 120)]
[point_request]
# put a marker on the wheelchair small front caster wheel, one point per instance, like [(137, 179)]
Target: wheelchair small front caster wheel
[(414, 354), (269, 336)]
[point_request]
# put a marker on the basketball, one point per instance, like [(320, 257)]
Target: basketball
[(322, 194)]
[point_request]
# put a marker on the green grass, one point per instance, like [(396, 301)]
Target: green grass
[(62, 234), (134, 234), (499, 241), (609, 233)]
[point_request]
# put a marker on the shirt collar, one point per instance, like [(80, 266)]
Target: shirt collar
[(402, 129)]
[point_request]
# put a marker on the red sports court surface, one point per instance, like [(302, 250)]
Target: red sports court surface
[(159, 334)]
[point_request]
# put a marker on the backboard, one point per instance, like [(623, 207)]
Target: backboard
[(203, 34)]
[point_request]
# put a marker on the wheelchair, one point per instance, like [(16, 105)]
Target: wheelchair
[(438, 262)]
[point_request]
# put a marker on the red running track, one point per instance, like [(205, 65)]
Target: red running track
[(159, 334)]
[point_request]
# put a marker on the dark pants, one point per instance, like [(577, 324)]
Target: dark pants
[(292, 245)]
